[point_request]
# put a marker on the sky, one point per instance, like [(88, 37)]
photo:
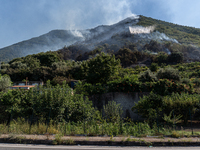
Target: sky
[(24, 19)]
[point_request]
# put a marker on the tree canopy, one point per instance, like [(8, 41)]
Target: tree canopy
[(100, 68), (5, 82)]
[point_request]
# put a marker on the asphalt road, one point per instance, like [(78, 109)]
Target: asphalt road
[(51, 147)]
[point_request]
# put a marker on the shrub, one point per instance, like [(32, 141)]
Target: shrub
[(171, 120), (168, 73), (186, 80), (154, 106), (175, 134), (56, 102), (196, 81), (90, 89), (175, 57), (147, 76), (182, 104), (60, 80), (18, 65), (161, 58), (181, 68), (148, 106), (5, 82), (113, 111), (127, 84), (154, 67)]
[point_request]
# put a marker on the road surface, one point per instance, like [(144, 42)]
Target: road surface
[(77, 147)]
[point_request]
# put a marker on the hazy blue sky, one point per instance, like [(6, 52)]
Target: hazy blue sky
[(24, 19)]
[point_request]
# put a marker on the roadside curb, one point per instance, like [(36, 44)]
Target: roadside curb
[(101, 143)]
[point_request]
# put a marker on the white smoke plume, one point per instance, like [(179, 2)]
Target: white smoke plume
[(77, 33), (140, 29), (34, 18), (163, 36)]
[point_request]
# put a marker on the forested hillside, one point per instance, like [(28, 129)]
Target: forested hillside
[(183, 34), (162, 36)]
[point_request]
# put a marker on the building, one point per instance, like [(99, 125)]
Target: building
[(26, 87), (28, 83), (25, 84)]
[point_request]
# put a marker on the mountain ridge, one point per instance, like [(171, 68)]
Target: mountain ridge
[(117, 34)]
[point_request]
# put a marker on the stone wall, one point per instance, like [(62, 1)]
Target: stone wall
[(126, 101)]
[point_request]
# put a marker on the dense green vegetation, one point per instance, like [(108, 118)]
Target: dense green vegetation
[(173, 86), (165, 70), (5, 82), (183, 34), (154, 106), (58, 100)]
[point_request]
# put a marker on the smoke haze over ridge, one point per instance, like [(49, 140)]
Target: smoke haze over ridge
[(42, 16), (24, 19)]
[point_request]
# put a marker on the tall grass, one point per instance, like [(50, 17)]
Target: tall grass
[(90, 128)]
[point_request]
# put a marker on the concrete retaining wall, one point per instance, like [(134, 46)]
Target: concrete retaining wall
[(126, 101)]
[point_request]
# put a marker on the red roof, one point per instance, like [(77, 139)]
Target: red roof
[(24, 86)]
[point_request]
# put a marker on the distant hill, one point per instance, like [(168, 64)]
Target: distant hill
[(53, 40), (139, 31)]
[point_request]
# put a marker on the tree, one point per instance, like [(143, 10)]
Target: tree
[(149, 106), (31, 62), (175, 57), (5, 82), (153, 67), (154, 46), (126, 56), (101, 68), (48, 58), (161, 58)]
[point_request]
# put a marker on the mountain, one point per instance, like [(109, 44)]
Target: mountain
[(53, 40), (137, 30)]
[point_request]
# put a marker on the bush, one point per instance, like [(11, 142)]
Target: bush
[(61, 101), (196, 81), (154, 67), (175, 57), (113, 111), (161, 58), (126, 84), (5, 82), (154, 106), (18, 65), (168, 73), (148, 106), (90, 89), (186, 80), (182, 104), (60, 80), (147, 76)]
